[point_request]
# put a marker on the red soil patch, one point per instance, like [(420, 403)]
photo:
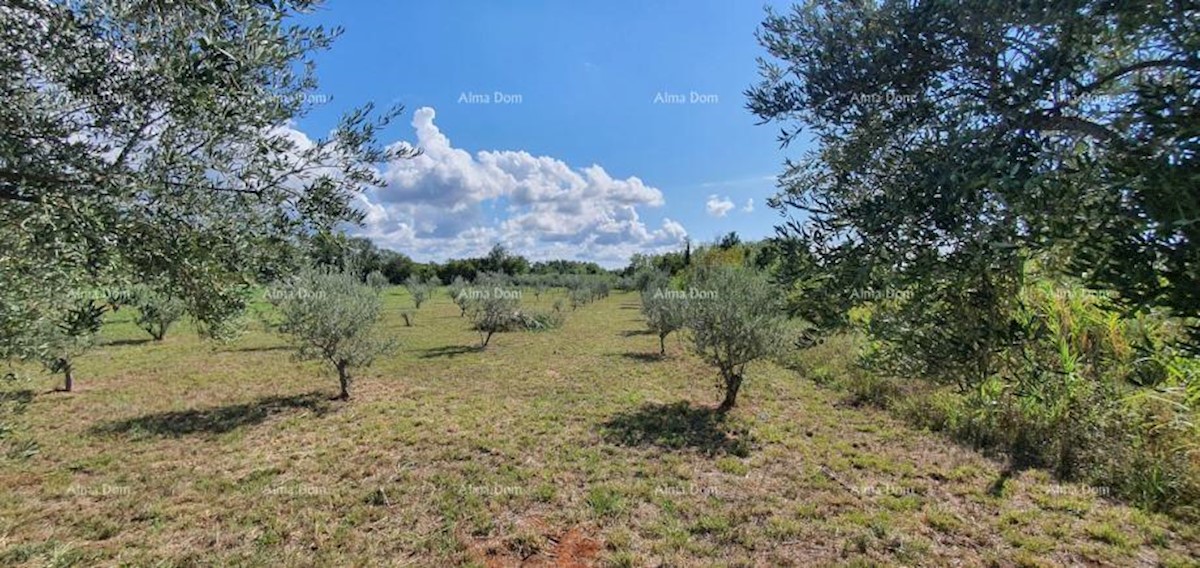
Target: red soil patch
[(564, 549)]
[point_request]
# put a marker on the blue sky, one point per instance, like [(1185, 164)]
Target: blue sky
[(588, 131)]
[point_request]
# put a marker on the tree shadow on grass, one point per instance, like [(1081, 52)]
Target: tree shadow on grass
[(216, 420), (636, 332), (17, 400), (678, 426), (644, 357), (261, 349), (449, 351), (118, 342)]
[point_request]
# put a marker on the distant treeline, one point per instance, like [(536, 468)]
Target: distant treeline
[(363, 256)]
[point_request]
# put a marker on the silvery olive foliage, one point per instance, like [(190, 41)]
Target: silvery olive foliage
[(664, 312), (375, 279), (152, 139), (330, 315), (739, 319), (418, 289), (493, 313), (157, 310)]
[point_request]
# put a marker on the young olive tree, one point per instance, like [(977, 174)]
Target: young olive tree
[(331, 316), (376, 280), (418, 290), (495, 312), (456, 289), (735, 318), (665, 312), (57, 344), (157, 310)]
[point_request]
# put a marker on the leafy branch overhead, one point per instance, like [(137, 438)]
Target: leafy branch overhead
[(947, 134), (155, 139)]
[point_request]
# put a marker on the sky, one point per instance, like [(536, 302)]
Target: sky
[(587, 131)]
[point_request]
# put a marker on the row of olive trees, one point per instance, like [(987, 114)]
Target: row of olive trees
[(56, 343), (732, 315), (180, 105)]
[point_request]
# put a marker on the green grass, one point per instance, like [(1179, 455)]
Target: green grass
[(576, 446)]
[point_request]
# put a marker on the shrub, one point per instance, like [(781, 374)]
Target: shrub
[(579, 297), (331, 316), (157, 310), (1092, 393), (737, 320), (542, 321)]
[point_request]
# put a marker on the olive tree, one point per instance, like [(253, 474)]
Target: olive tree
[(331, 316), (735, 318), (418, 290), (157, 310), (665, 311), (376, 280), (56, 344), (956, 141), (154, 138), (495, 312)]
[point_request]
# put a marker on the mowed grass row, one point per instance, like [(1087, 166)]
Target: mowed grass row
[(572, 447)]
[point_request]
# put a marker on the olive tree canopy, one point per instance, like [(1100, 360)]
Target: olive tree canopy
[(152, 140)]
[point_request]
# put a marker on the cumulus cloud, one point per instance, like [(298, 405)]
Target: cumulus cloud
[(749, 208), (718, 206), (448, 202)]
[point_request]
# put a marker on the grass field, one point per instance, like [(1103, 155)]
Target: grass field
[(573, 447)]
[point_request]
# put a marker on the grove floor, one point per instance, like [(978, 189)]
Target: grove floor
[(572, 447)]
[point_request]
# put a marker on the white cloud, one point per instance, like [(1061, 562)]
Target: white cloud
[(718, 206), (448, 202), (749, 207)]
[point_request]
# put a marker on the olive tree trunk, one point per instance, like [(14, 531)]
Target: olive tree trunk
[(68, 377), (343, 380), (733, 382)]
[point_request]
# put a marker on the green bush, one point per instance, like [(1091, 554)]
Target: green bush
[(456, 289), (1092, 393), (56, 343), (542, 321)]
